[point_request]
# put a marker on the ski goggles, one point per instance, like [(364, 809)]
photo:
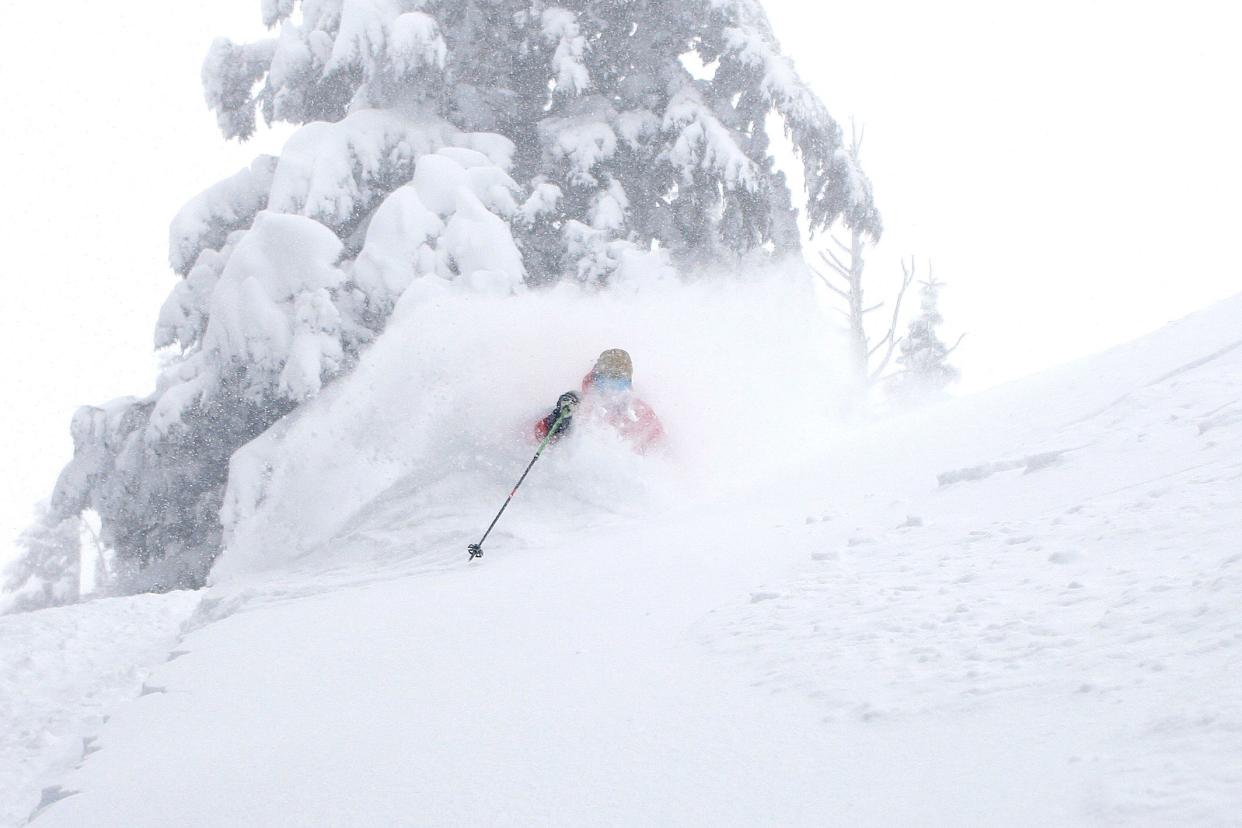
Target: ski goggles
[(611, 385)]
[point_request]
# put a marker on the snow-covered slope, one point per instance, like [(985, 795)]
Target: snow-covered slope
[(62, 672), (1019, 608)]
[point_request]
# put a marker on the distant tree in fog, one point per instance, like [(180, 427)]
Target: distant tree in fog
[(924, 372), (47, 569)]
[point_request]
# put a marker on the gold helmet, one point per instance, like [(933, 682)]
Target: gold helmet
[(614, 363)]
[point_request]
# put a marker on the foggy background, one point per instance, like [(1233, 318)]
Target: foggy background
[(1071, 168)]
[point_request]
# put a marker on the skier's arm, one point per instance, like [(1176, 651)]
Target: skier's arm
[(564, 411)]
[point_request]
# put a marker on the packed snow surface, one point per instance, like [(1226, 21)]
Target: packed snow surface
[(1019, 608)]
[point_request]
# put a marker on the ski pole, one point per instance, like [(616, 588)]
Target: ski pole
[(476, 549)]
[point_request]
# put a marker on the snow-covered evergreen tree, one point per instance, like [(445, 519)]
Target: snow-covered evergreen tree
[(924, 370), (494, 144), (615, 141)]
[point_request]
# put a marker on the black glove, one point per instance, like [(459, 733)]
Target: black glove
[(562, 414), (566, 405)]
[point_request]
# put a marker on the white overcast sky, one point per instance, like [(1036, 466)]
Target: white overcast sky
[(1072, 168)]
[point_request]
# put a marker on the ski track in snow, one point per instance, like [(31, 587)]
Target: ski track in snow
[(62, 671), (1110, 604), (1017, 609)]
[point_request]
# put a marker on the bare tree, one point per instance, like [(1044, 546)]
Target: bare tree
[(870, 359), (867, 370), (846, 262)]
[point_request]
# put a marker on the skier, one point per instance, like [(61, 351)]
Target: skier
[(606, 397)]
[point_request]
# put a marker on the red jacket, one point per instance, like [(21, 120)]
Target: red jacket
[(636, 422)]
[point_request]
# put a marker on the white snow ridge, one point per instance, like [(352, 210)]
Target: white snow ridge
[(1019, 608)]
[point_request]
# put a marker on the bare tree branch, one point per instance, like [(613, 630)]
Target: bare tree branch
[(874, 307), (891, 336), (856, 138), (844, 275), (879, 344), (955, 344), (835, 289), (880, 369), (835, 263), (830, 285), (828, 255)]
